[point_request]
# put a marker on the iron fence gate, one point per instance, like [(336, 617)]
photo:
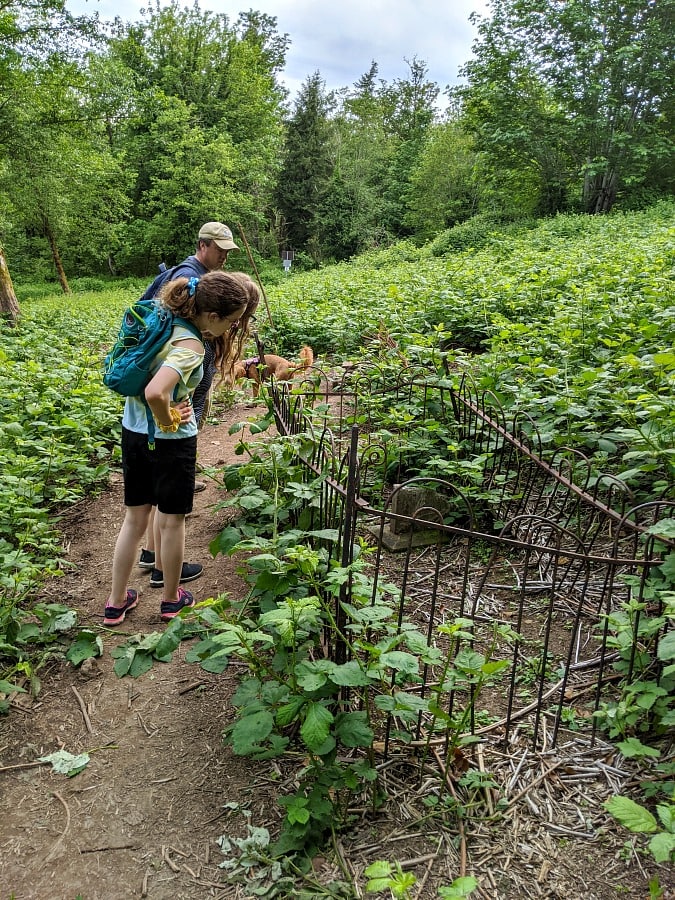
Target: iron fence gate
[(517, 537)]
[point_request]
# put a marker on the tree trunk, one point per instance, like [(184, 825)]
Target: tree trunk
[(607, 194), (600, 192), (9, 305), (56, 256)]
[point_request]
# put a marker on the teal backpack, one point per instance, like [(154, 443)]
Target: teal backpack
[(146, 328)]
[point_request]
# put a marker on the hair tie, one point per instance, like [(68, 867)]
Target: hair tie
[(192, 285)]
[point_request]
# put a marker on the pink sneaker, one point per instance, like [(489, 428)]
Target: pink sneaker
[(114, 615), (169, 610)]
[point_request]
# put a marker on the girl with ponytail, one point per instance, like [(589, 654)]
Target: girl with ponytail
[(220, 305)]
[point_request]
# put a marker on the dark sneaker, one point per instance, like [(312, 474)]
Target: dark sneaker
[(169, 611), (189, 572), (147, 560), (114, 615)]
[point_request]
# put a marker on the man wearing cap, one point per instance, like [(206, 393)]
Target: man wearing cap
[(214, 242)]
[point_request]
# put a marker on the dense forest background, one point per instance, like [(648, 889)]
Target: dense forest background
[(118, 139)]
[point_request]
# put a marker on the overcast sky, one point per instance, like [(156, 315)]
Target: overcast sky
[(340, 39)]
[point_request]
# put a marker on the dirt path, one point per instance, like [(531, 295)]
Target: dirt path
[(143, 817)]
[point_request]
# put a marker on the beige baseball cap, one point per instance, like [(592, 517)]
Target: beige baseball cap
[(221, 234)]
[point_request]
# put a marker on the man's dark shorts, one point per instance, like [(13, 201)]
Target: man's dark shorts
[(163, 477)]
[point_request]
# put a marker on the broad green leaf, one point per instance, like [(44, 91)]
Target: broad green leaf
[(227, 539), (125, 657), (494, 666), (469, 661), (662, 846), (170, 640), (250, 730), (315, 729), (632, 747), (377, 885), (460, 887), (141, 663), (65, 621), (352, 729), (325, 534), (663, 528), (313, 675), (87, 646), (400, 661), (668, 567), (289, 711), (629, 814), (666, 648), (379, 869), (666, 813), (6, 687), (349, 674)]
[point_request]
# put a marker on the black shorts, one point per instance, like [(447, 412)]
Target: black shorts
[(163, 477)]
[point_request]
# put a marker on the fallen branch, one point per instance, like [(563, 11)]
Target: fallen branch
[(30, 765), (83, 709), (529, 787), (52, 852), (191, 687)]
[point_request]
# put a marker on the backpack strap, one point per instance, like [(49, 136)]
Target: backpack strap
[(151, 425)]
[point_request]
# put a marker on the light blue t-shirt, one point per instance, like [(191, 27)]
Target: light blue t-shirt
[(188, 364)]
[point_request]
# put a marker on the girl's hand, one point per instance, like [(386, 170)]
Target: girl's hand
[(184, 407)]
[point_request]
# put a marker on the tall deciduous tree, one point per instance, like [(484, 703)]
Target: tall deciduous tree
[(9, 306), (443, 185), (412, 111), (34, 34), (64, 186), (575, 91), (205, 129), (356, 207), (379, 132)]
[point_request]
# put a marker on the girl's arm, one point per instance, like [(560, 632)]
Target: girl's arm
[(159, 391), (158, 394)]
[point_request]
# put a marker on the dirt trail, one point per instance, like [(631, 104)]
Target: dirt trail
[(143, 817)]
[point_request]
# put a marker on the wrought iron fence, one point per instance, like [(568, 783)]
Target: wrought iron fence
[(512, 536)]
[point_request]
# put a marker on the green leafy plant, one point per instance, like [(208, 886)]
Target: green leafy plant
[(386, 876), (35, 635), (640, 820), (643, 635), (135, 656)]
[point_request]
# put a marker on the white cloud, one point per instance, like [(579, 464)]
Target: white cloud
[(341, 39)]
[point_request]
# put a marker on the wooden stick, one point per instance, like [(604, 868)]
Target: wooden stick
[(191, 687), (53, 851), (427, 872), (167, 859), (255, 269), (27, 765), (529, 787), (83, 708)]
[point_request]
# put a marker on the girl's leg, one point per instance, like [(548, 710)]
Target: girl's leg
[(126, 551), (150, 540), (171, 545)]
